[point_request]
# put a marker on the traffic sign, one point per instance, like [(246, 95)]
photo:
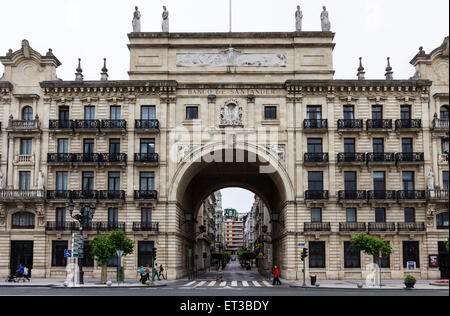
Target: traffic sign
[(67, 253), (119, 253), (301, 244), (79, 256)]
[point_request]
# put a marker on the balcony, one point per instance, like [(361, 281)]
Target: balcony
[(352, 195), (351, 158), (21, 195), (86, 125), (352, 227), (411, 195), (84, 195), (381, 195), (317, 227), (113, 125), (315, 125), (411, 227), (24, 159), (112, 158), (438, 195), (408, 125), (59, 195), (146, 158), (146, 195), (381, 227), (87, 158), (59, 125), (316, 195), (58, 158), (316, 158), (112, 195), (147, 126), (350, 125), (108, 226), (380, 158), (23, 126), (59, 226), (380, 125), (146, 227), (410, 158), (441, 125)]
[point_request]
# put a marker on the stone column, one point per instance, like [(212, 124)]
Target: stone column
[(37, 159), (251, 111), (10, 171)]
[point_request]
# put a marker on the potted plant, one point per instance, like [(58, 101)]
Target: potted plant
[(410, 281)]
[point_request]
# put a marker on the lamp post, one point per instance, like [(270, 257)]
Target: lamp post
[(84, 218)]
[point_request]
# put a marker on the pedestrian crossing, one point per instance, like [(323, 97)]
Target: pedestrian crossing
[(223, 284)]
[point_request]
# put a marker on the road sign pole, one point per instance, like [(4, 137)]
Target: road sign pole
[(304, 273)]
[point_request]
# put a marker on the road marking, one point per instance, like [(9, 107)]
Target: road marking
[(224, 283), (245, 283), (256, 284), (267, 284), (190, 283), (200, 284), (234, 283), (212, 283)]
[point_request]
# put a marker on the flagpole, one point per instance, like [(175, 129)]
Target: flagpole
[(230, 15)]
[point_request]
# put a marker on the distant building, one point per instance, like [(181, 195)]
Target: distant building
[(220, 233), (234, 231), (206, 233)]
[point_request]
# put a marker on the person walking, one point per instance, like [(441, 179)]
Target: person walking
[(161, 272), (20, 271), (142, 273), (155, 273), (26, 273), (276, 276)]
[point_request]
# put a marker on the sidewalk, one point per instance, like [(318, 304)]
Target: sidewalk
[(386, 284)]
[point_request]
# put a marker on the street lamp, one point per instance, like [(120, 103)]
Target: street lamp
[(84, 218)]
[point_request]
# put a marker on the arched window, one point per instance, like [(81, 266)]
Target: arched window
[(23, 220), (442, 221), (444, 112), (27, 113)]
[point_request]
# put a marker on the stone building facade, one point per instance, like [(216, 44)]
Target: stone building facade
[(203, 111)]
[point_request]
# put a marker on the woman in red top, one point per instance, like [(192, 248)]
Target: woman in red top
[(276, 276)]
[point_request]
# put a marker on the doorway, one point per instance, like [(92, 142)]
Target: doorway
[(21, 253)]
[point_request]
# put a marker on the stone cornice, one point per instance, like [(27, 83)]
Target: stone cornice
[(276, 35)]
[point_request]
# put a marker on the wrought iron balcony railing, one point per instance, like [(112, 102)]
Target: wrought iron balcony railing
[(114, 124), (62, 226), (381, 227), (84, 194), (408, 124), (440, 124), (146, 157), (316, 195), (410, 157), (147, 227), (411, 227), (357, 195), (109, 226), (317, 227), (379, 124), (350, 124), (411, 195), (145, 195), (59, 158), (315, 124), (316, 157), (86, 124), (351, 157), (59, 195), (147, 124), (112, 158), (352, 227), (60, 124), (380, 157), (22, 195), (381, 195), (111, 195)]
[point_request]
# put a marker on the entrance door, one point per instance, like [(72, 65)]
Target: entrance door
[(443, 260), (145, 253), (21, 253)]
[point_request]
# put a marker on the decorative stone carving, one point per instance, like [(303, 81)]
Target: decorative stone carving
[(137, 21), (277, 149), (231, 114), (2, 215), (184, 150), (165, 22), (1, 180), (298, 19), (231, 58), (40, 180), (431, 181), (326, 25)]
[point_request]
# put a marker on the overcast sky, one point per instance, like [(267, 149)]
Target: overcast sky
[(97, 29)]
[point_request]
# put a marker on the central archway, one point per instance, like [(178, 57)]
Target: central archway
[(216, 166)]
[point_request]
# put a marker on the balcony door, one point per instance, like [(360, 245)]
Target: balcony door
[(350, 181), (114, 181), (349, 112), (88, 181), (24, 180), (147, 181), (148, 113), (405, 112), (63, 146), (115, 113), (377, 112), (408, 181), (89, 113), (315, 181), (63, 114), (62, 181), (379, 183), (147, 146)]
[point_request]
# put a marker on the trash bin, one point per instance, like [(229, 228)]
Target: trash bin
[(313, 280)]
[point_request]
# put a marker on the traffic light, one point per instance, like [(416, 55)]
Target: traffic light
[(154, 253), (304, 254)]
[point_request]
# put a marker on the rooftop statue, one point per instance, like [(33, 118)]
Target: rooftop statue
[(298, 20), (137, 21), (165, 22), (326, 25)]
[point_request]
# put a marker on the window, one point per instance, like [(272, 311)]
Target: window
[(315, 181), (148, 112), (88, 181), (191, 113), (378, 145), (349, 145), (114, 146), (444, 112), (145, 253), (442, 221), (270, 112), (63, 114), (349, 112), (114, 181), (351, 215), (444, 145), (317, 254), (316, 215), (88, 146), (147, 146), (377, 112), (115, 112), (405, 112), (89, 113), (27, 113), (88, 259), (63, 146), (23, 220), (408, 181), (62, 180), (315, 145), (350, 180), (26, 146), (410, 215), (445, 180), (380, 215), (147, 181), (411, 253), (146, 216), (113, 217), (314, 112), (407, 145), (379, 183), (58, 248), (25, 180), (352, 256), (60, 217)]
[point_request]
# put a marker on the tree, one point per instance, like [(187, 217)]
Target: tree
[(121, 242), (103, 250), (371, 245)]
